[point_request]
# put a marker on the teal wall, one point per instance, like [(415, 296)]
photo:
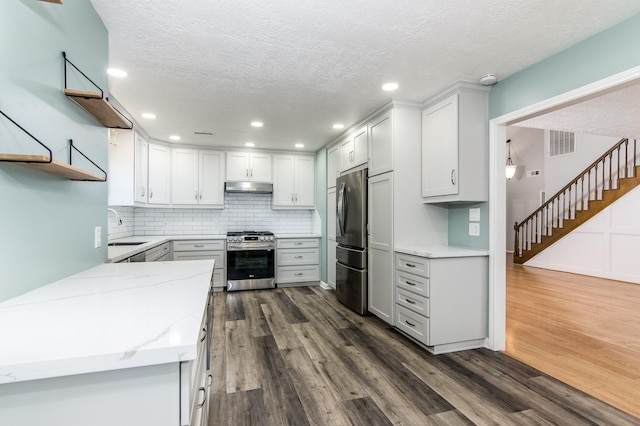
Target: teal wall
[(47, 222), (607, 53), (602, 55), (321, 207), (459, 226)]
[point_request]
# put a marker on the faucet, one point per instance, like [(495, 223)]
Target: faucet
[(118, 220)]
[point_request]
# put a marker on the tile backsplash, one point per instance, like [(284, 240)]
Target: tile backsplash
[(241, 212)]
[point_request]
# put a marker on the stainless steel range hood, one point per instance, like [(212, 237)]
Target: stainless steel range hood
[(249, 187)]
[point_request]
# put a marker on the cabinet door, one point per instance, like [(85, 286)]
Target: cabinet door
[(159, 174), (211, 178), (260, 167), (304, 178), (346, 154), (381, 145), (333, 166), (237, 166), (141, 170), (440, 148), (381, 299), (359, 147), (184, 176), (283, 185)]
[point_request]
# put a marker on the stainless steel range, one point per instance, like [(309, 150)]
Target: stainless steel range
[(251, 260)]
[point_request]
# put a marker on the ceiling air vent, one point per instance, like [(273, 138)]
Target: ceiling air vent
[(561, 143)]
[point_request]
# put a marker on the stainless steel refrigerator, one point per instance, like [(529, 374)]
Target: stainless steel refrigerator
[(351, 236)]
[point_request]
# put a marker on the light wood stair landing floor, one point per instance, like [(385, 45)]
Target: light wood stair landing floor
[(296, 356), (584, 331)]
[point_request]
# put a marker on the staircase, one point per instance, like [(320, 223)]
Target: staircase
[(606, 180)]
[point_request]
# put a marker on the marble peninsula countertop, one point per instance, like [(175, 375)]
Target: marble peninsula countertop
[(441, 251), (112, 316)]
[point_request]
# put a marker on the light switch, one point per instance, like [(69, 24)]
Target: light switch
[(474, 215), (474, 229), (98, 237)]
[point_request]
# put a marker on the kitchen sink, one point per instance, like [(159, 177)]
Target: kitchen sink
[(129, 243)]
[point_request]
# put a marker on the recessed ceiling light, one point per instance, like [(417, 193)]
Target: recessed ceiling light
[(249, 144), (257, 123), (116, 72), (299, 145), (148, 115), (174, 137), (338, 126), (390, 86)]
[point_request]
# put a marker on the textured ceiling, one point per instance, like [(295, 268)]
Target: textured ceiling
[(614, 114), (300, 66)]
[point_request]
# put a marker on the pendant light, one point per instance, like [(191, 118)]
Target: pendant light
[(510, 170)]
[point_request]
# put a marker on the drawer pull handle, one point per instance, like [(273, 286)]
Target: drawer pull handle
[(299, 257), (198, 245), (204, 397), (410, 301), (298, 244), (411, 265), (409, 324), (410, 283), (298, 274)]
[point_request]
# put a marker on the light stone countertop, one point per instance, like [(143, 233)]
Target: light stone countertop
[(434, 252), (112, 316)]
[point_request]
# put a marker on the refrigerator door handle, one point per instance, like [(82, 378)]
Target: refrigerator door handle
[(341, 209)]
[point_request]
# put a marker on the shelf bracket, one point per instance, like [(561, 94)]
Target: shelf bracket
[(40, 159), (95, 102), (72, 148)]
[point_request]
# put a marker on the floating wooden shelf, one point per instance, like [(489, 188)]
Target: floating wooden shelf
[(40, 162), (100, 108), (53, 1)]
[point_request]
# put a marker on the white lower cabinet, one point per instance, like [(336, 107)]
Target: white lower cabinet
[(297, 260), (380, 291), (442, 302), (202, 250), (195, 384)]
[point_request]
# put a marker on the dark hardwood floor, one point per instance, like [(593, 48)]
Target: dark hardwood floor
[(296, 356)]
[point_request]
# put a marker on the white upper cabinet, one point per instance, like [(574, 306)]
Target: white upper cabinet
[(353, 151), (128, 169), (141, 189), (333, 166), (381, 144), (455, 158), (159, 174), (249, 166), (294, 182), (197, 177)]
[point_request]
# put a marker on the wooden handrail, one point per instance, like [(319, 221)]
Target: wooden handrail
[(572, 195), (581, 175)]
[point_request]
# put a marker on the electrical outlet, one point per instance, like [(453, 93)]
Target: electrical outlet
[(474, 214), (474, 229), (98, 237)]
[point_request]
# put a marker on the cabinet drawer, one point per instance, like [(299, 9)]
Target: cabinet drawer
[(413, 283), (417, 304), (290, 243), (294, 274), (298, 257), (155, 253), (218, 256), (414, 264), (198, 245), (413, 324)]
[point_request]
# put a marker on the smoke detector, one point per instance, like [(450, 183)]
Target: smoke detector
[(488, 80)]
